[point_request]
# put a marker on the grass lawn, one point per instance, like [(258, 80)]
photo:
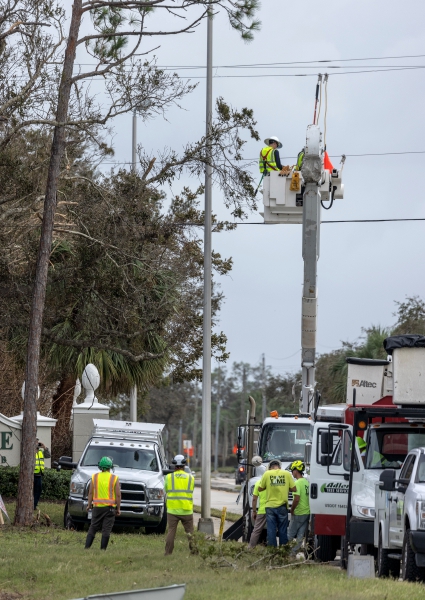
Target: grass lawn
[(49, 563)]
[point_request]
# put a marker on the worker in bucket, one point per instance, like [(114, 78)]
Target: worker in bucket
[(270, 159), (179, 487), (277, 484), (300, 509), (105, 498)]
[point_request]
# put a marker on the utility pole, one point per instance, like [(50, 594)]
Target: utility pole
[(205, 523), (180, 436), (263, 373), (312, 175), (243, 413), (134, 143), (195, 428), (217, 421)]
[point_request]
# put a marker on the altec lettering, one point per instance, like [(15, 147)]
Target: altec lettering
[(363, 383)]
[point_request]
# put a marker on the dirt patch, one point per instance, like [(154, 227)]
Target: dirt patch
[(10, 596)]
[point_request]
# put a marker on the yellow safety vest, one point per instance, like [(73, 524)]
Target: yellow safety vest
[(39, 463), (179, 487), (267, 160), (103, 487)]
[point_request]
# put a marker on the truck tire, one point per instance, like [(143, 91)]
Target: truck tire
[(159, 529), (385, 566), (68, 523), (326, 547), (409, 570)]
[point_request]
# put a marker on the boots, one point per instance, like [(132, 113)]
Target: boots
[(104, 542), (89, 540)]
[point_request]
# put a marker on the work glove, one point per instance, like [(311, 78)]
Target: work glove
[(285, 171)]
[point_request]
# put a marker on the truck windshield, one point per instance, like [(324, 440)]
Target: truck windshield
[(387, 448), (126, 458), (284, 441)]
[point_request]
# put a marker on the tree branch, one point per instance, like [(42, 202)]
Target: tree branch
[(146, 356)]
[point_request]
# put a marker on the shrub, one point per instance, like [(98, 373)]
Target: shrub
[(55, 483)]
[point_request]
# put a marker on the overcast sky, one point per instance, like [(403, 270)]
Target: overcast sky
[(363, 267)]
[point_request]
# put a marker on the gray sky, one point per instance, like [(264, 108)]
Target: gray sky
[(363, 268)]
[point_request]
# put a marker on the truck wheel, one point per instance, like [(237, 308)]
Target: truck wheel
[(409, 570), (386, 567), (68, 523), (326, 547)]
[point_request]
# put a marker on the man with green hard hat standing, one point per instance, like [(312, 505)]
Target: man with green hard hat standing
[(105, 498)]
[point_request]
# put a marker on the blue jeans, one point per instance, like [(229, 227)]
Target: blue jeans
[(297, 529), (277, 521)]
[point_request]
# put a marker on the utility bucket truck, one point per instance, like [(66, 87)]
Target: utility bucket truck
[(286, 437), (385, 411)]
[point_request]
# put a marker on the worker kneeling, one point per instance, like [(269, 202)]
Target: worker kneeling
[(300, 509), (277, 484), (179, 489), (105, 498)]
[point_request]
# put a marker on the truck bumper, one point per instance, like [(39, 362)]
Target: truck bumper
[(361, 531), (143, 515), (417, 542)]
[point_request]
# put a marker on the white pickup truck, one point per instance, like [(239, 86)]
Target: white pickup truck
[(399, 527)]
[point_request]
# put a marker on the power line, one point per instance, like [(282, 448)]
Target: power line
[(292, 157), (295, 62)]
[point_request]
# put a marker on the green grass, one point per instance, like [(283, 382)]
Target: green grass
[(49, 563), (230, 516)]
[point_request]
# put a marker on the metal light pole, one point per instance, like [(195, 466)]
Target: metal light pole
[(134, 143), (263, 373), (217, 422), (205, 523)]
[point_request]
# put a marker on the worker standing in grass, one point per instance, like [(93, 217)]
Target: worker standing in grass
[(300, 509), (105, 498), (277, 484), (41, 452), (258, 513), (179, 489)]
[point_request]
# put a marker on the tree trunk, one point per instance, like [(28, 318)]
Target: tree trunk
[(24, 505)]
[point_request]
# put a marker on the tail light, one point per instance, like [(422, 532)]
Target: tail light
[(241, 469)]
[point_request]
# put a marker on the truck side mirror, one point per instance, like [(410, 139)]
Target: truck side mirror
[(387, 480), (240, 442), (65, 462), (326, 442), (307, 453)]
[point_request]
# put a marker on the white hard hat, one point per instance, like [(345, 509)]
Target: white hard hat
[(179, 460), (273, 138)]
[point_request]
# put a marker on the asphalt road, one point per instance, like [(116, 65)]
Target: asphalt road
[(220, 499)]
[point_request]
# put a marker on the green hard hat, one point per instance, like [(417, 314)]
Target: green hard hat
[(105, 463), (361, 443)]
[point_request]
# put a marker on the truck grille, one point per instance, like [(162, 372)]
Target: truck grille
[(132, 492)]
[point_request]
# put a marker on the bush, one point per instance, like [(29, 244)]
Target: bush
[(55, 483)]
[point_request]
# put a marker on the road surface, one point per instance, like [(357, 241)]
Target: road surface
[(220, 499)]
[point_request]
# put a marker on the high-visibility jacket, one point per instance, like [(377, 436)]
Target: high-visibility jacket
[(300, 159), (103, 488), (39, 462), (179, 489), (267, 161)]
